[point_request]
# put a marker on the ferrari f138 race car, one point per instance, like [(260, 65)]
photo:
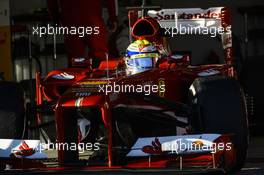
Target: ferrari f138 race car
[(160, 113)]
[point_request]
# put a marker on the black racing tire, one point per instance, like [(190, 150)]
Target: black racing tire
[(219, 106), (253, 89), (12, 110)]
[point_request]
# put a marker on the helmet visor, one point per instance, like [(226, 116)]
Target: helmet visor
[(141, 62)]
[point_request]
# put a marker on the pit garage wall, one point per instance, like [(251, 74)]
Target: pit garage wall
[(21, 64), (5, 45)]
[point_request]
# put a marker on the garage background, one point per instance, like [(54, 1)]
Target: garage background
[(17, 16)]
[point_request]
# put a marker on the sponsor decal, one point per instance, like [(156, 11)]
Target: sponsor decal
[(63, 76), (154, 148), (94, 82), (191, 13), (169, 16), (23, 151), (198, 143), (30, 149), (189, 17), (78, 60), (208, 72), (82, 94)]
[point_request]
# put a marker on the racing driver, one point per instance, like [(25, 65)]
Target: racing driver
[(141, 56)]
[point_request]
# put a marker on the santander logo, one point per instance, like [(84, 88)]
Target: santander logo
[(186, 14), (166, 16)]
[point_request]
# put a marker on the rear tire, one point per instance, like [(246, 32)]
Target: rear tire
[(219, 107), (12, 111)]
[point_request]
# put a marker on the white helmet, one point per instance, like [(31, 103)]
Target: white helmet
[(141, 55)]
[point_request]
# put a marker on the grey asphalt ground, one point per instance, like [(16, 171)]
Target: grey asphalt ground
[(254, 165)]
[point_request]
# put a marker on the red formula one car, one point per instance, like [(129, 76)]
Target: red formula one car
[(174, 116)]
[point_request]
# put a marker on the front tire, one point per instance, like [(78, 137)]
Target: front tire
[(219, 107)]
